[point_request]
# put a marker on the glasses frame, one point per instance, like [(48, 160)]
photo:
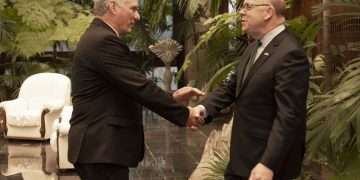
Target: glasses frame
[(249, 6)]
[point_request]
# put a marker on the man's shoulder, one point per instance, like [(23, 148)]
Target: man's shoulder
[(96, 36)]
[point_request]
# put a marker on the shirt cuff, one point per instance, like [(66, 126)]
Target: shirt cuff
[(203, 110)]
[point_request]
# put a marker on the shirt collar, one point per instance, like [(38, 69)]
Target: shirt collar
[(115, 31), (271, 35)]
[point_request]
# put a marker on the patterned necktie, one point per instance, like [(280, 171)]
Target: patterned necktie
[(252, 59)]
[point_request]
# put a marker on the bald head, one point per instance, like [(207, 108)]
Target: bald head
[(279, 6)]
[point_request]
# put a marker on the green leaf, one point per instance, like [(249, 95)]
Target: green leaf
[(189, 7), (31, 43), (317, 138), (2, 4), (218, 25), (72, 32), (214, 7), (350, 169), (220, 75), (34, 14)]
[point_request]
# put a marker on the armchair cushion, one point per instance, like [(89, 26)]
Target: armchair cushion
[(27, 113), (18, 114)]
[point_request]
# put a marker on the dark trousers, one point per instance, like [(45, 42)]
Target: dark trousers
[(102, 171)]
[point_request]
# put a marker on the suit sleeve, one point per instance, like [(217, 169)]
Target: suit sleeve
[(117, 65), (221, 97), (290, 95)]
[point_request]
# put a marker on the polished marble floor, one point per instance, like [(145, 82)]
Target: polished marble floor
[(172, 153)]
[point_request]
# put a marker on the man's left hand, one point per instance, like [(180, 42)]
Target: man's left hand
[(184, 94), (261, 172)]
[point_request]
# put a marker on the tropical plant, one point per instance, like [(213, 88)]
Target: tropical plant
[(306, 31), (221, 43), (215, 155), (334, 114), (210, 54), (42, 22), (220, 160), (334, 123), (155, 20), (28, 29)]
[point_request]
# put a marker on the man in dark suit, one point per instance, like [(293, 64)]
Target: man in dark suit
[(108, 90), (269, 91)]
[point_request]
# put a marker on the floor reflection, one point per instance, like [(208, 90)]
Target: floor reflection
[(171, 154)]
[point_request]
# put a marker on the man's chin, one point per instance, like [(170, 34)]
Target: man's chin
[(130, 29), (244, 29)]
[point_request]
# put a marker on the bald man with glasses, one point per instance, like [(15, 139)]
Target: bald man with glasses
[(269, 90)]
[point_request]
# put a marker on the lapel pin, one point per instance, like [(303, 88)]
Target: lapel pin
[(266, 54)]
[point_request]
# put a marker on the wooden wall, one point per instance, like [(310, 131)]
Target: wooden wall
[(302, 7)]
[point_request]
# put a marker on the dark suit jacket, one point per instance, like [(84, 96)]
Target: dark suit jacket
[(108, 92), (270, 108)]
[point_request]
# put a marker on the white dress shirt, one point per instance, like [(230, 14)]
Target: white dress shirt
[(267, 38)]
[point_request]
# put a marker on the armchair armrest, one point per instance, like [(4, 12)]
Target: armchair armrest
[(22, 113), (62, 127), (16, 105), (54, 105)]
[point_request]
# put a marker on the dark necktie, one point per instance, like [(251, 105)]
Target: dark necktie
[(252, 59)]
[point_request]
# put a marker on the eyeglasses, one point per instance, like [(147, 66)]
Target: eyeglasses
[(248, 6)]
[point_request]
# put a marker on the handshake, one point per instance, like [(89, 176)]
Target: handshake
[(196, 117), (197, 114)]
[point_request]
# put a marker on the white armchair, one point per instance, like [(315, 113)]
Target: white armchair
[(40, 101)]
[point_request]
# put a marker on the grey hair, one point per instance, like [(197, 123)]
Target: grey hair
[(101, 6), (279, 6)]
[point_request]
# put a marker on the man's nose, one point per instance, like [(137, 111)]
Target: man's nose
[(242, 11), (137, 16)]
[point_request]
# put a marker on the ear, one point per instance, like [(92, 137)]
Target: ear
[(269, 13), (112, 7)]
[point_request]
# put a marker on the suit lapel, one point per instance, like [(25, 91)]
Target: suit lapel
[(268, 51), (242, 65)]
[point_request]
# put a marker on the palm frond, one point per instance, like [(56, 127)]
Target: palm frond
[(156, 13), (188, 7), (214, 7), (218, 25), (333, 129), (220, 75)]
